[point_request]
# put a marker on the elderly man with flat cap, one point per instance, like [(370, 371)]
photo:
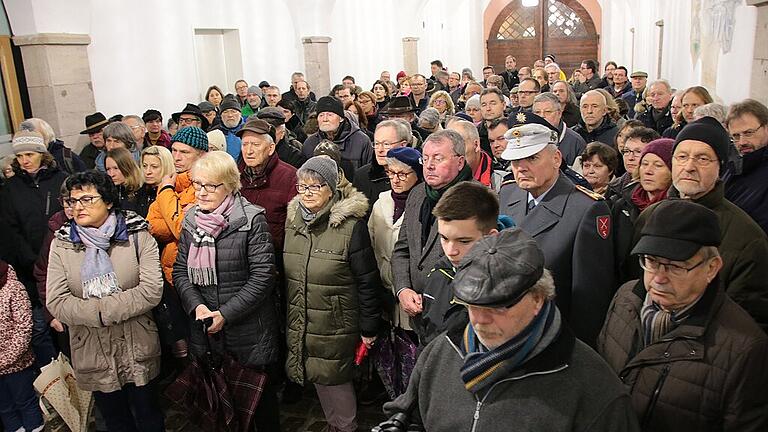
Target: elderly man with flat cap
[(288, 148), (571, 224), (516, 365), (699, 156), (691, 358)]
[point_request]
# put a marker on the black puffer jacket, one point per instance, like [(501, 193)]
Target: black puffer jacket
[(27, 203), (245, 291), (371, 180)]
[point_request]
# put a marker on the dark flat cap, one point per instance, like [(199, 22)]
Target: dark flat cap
[(677, 229), (499, 270), (258, 126), (273, 115)]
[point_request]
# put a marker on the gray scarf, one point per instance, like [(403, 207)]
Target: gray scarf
[(97, 274)]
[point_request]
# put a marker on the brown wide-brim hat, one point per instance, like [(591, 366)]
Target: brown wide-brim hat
[(94, 123)]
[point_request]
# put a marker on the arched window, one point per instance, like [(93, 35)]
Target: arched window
[(520, 24), (562, 21)]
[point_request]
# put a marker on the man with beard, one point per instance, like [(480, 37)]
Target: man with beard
[(510, 75), (252, 102), (354, 144), (747, 123), (231, 122), (94, 123), (303, 104)]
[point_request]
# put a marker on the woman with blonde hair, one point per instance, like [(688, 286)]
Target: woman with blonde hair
[(442, 102), (224, 274)]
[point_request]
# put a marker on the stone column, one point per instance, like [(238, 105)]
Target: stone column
[(59, 81), (316, 63), (759, 86), (410, 55)]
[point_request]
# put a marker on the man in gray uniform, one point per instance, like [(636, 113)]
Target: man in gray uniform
[(571, 224)]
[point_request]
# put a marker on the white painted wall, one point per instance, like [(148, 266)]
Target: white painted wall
[(733, 70), (142, 52)]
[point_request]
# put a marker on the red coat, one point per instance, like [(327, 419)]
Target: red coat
[(271, 190)]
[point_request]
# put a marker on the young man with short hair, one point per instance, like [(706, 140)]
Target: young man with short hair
[(465, 214)]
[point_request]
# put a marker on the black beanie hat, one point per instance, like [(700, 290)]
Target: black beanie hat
[(229, 103), (709, 131), (330, 104)]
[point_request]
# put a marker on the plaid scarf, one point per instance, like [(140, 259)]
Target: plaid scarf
[(482, 367), (201, 263), (658, 322), (97, 273)]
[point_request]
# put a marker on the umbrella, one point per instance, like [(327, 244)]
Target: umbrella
[(395, 358), (56, 383), (219, 393)]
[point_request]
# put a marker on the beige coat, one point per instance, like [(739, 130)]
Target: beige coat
[(114, 339), (384, 234)]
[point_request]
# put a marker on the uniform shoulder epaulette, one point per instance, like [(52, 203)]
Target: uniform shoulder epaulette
[(508, 180), (592, 194)]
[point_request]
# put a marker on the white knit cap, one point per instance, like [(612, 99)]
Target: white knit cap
[(26, 141)]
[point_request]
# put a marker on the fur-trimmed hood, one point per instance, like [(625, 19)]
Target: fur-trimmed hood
[(128, 222), (348, 202)]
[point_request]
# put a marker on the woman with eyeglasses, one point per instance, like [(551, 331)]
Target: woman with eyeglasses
[(103, 281), (224, 272), (405, 171), (333, 288), (655, 178), (442, 102)]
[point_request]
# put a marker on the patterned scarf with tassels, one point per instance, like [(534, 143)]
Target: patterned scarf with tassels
[(97, 273), (482, 367), (201, 263)]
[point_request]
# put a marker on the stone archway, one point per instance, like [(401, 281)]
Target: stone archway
[(560, 27)]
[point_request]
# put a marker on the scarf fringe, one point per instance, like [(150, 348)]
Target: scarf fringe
[(101, 286), (202, 276)]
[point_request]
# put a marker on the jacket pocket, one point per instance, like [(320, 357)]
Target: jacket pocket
[(87, 354), (337, 312), (146, 341)]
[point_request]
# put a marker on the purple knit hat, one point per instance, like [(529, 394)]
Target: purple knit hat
[(662, 148)]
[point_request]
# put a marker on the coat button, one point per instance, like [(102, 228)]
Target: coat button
[(693, 352), (666, 355)]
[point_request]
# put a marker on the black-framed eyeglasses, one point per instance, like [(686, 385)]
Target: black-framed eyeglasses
[(652, 265), (700, 161), (210, 188), (85, 201), (188, 120), (749, 133), (314, 188), (402, 176)]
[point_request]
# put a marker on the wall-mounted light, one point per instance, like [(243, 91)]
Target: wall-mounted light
[(530, 3)]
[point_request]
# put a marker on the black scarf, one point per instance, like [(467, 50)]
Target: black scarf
[(399, 199)]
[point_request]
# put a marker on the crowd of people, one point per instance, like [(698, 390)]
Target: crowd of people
[(553, 253)]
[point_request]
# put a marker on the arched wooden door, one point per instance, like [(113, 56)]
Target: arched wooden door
[(560, 27)]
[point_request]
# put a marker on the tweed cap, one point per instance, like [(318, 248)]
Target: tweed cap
[(192, 136), (498, 270)]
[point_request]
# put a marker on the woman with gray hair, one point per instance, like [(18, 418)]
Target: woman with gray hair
[(472, 108), (117, 135), (333, 288), (429, 120), (405, 170)]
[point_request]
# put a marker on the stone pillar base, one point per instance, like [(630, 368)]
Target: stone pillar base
[(59, 81), (410, 55), (316, 63)]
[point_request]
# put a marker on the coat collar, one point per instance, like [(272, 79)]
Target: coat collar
[(549, 211), (239, 219), (348, 202)]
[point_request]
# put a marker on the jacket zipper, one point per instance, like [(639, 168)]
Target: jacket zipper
[(476, 417), (655, 396), (48, 204)]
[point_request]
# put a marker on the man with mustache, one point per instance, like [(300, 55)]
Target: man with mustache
[(747, 187), (691, 358), (699, 155), (516, 365)]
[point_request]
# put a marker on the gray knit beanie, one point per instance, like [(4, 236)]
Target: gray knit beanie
[(325, 167)]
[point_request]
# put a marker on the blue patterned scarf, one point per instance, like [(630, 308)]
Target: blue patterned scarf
[(483, 367)]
